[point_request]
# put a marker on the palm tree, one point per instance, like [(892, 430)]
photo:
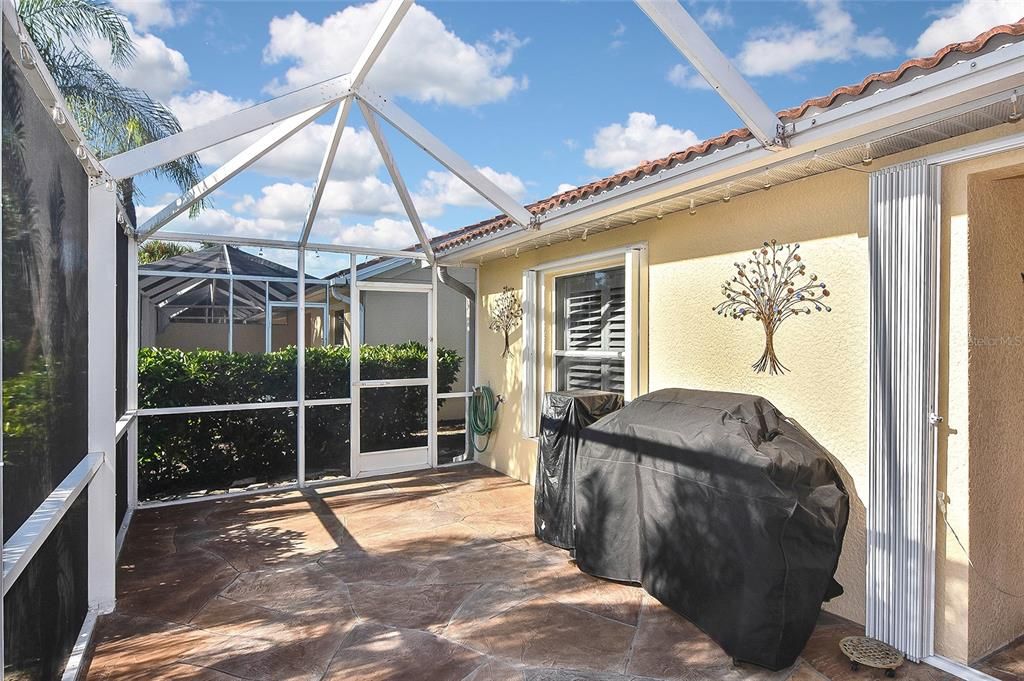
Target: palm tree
[(113, 117), (153, 251)]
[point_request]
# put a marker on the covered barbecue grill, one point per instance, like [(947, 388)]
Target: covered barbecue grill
[(564, 415), (722, 508)]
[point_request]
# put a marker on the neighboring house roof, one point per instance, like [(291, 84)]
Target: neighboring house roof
[(181, 293), (908, 70), (212, 260)]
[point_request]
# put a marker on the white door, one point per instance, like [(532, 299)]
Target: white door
[(393, 386)]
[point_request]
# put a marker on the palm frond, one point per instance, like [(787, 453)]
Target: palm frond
[(116, 118), (53, 23)]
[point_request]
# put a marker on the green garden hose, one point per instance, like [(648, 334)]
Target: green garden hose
[(482, 409)]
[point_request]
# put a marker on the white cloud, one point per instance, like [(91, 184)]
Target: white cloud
[(381, 233), (221, 222), (618, 146), (834, 38), (965, 21), (715, 17), (158, 70), (288, 201), (424, 60), (617, 33), (440, 189), (564, 187), (683, 76), (298, 158), (149, 14)]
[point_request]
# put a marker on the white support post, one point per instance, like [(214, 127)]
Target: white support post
[(356, 334), (325, 169), (236, 124), (231, 299), (461, 168), (267, 318), (133, 372), (281, 133), (684, 32), (102, 372), (432, 368), (300, 377), (396, 179)]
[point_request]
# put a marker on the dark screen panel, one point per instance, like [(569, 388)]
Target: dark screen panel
[(120, 481), (46, 606), (45, 333), (121, 325), (45, 382), (213, 452)]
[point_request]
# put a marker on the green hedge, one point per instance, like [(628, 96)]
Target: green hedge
[(189, 452)]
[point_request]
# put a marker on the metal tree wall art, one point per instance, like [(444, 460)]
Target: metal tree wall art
[(506, 314), (772, 286)]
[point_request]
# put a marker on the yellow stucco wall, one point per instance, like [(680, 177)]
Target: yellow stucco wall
[(995, 202), (690, 346), (827, 389)]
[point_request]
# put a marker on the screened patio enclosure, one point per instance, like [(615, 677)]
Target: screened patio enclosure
[(250, 364), (222, 352)]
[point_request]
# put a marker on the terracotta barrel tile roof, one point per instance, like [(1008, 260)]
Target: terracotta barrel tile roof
[(837, 97)]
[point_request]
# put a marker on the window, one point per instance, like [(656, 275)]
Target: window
[(590, 330), (592, 322)]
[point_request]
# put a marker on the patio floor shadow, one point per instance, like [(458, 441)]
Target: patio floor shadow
[(434, 575)]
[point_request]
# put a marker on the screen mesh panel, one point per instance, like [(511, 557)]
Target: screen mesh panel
[(46, 606), (45, 340)]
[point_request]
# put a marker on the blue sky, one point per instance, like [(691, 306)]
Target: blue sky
[(540, 95)]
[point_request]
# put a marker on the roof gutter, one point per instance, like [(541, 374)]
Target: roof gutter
[(973, 82)]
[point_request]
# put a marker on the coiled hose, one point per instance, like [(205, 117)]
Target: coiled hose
[(482, 409)]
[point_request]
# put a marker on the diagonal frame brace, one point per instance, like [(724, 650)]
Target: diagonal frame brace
[(325, 169), (167, 149), (396, 179), (683, 31), (385, 28), (228, 170), (461, 168)]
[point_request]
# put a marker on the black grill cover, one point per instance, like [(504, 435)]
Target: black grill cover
[(563, 415), (722, 508)]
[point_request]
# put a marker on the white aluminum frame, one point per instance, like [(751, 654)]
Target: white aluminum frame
[(458, 166), (30, 536), (396, 179), (154, 154), (385, 28), (280, 134), (470, 349), (688, 37), (404, 458), (31, 64), (292, 112)]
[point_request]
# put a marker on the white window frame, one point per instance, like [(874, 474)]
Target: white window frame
[(536, 315)]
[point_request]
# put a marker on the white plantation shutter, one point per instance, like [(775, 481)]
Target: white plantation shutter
[(591, 330)]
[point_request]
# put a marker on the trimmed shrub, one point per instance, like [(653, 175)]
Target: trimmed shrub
[(189, 452)]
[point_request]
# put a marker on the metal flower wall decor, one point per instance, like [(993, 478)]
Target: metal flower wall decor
[(506, 315), (772, 286)]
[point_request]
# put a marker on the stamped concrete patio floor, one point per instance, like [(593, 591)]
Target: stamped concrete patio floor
[(427, 576)]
